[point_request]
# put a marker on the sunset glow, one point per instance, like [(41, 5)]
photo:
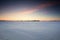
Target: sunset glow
[(28, 13)]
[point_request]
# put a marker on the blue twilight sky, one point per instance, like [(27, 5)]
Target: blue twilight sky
[(29, 10)]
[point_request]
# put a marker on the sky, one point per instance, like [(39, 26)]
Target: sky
[(29, 10)]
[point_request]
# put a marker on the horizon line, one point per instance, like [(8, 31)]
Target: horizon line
[(31, 20)]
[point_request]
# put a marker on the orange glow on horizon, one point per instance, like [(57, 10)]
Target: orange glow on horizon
[(29, 18)]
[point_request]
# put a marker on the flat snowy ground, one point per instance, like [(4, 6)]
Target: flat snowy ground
[(29, 30)]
